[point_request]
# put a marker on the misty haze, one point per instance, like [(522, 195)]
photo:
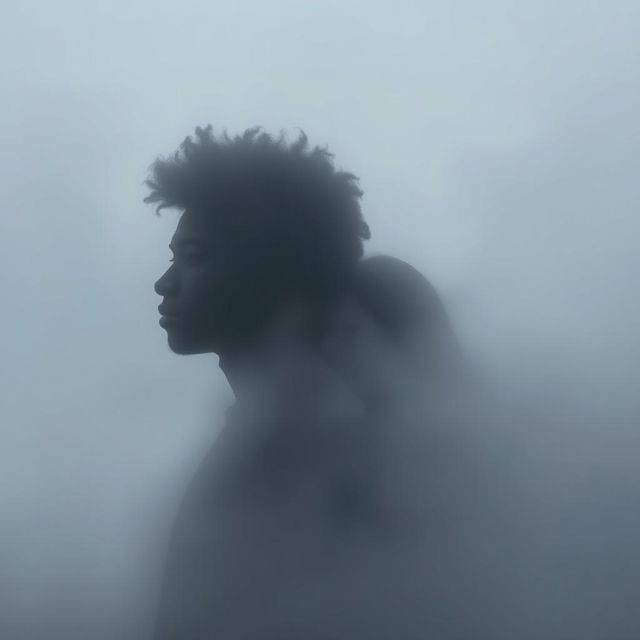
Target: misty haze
[(496, 147)]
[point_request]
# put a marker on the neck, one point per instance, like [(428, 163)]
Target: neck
[(242, 361), (237, 364)]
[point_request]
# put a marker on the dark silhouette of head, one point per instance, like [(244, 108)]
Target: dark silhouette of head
[(407, 309), (264, 223), (392, 333)]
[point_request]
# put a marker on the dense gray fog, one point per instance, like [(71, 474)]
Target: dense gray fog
[(497, 145)]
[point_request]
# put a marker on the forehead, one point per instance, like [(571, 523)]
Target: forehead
[(196, 229)]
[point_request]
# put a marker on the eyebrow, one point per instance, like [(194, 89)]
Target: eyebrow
[(187, 242)]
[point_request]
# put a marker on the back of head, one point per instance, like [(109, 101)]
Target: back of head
[(408, 310)]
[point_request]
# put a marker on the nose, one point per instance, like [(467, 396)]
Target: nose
[(166, 284)]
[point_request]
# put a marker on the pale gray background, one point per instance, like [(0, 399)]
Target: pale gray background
[(497, 144)]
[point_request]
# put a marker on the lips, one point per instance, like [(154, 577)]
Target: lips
[(166, 312), (168, 322), (168, 317)]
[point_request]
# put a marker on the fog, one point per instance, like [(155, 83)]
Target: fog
[(497, 146)]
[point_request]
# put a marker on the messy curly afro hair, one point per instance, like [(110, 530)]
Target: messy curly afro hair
[(284, 202)]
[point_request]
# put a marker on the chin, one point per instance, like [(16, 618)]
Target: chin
[(185, 346)]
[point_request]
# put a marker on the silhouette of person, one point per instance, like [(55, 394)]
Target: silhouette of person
[(444, 476), (335, 502), (268, 241)]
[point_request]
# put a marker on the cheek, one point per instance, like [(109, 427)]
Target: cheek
[(199, 290), (212, 304), (222, 301)]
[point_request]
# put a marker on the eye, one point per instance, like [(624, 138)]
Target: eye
[(192, 258)]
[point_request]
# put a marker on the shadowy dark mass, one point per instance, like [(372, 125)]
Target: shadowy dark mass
[(344, 498)]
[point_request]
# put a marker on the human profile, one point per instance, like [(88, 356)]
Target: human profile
[(269, 240), (326, 507)]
